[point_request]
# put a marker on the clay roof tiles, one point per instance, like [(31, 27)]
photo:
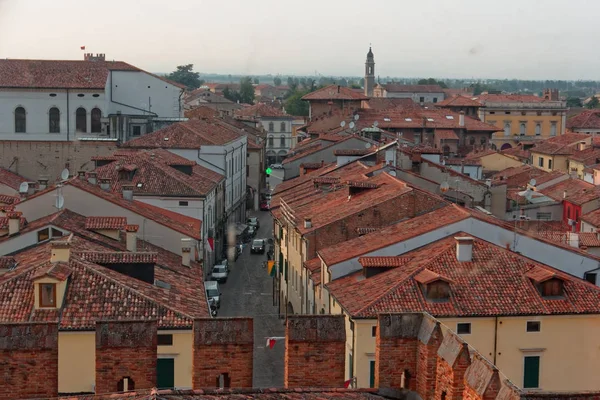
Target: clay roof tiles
[(334, 92), (9, 178), (589, 119), (261, 110), (459, 101), (105, 222), (573, 190)]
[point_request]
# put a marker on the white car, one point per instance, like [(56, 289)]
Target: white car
[(276, 166)]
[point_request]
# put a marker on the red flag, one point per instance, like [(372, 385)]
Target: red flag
[(271, 343), (347, 383), (82, 47)]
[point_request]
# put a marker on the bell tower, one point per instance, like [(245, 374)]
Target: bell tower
[(369, 73)]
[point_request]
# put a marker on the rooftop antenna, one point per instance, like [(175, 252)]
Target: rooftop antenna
[(64, 175), (23, 188)]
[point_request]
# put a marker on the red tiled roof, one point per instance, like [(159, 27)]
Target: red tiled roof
[(334, 92), (119, 257), (156, 174), (589, 119), (588, 156), (518, 177), (59, 270), (563, 144), (261, 110), (352, 152), (445, 134), (459, 101), (9, 178), (299, 153), (508, 98), (517, 152), (540, 274), (589, 239), (381, 261), (6, 199), (496, 282), (576, 190), (105, 223), (7, 262), (393, 234), (592, 218), (396, 88), (384, 103), (192, 134), (478, 154)]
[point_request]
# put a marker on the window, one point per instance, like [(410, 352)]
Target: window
[(463, 328), (507, 129), (271, 127), (80, 120), (435, 99), (125, 385), (47, 295), (507, 112), (522, 127), (136, 130), (183, 204), (438, 290), (421, 99), (543, 215), (372, 374), (552, 288), (44, 234), (541, 161), (271, 141), (531, 372), (483, 141), (56, 233), (96, 120), (538, 129), (20, 120), (472, 140), (549, 164), (492, 112), (282, 141), (54, 120), (165, 373), (283, 127), (165, 340), (374, 331), (590, 277), (533, 326), (553, 129)]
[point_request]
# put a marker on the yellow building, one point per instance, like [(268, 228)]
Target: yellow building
[(84, 269), (529, 319), (523, 118), (553, 154), (492, 161)]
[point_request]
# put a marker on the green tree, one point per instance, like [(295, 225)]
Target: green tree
[(593, 103), (256, 81), (431, 81), (231, 95), (294, 105), (277, 81), (184, 75), (246, 94), (574, 102)]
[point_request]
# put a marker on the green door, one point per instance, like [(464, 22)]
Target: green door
[(165, 373), (372, 374), (531, 375)]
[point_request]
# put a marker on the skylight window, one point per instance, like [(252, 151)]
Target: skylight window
[(430, 119), (408, 119), (449, 117), (387, 119), (140, 184), (166, 139)]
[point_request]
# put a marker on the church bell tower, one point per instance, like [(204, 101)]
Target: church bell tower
[(369, 74)]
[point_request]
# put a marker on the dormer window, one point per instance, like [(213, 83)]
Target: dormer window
[(435, 287), (552, 288), (547, 282), (47, 295)]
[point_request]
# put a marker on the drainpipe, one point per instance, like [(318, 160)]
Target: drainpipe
[(68, 117), (495, 338)]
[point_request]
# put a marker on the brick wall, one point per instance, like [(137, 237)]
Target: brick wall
[(223, 347), (430, 340), (315, 351), (36, 159), (453, 361), (28, 360), (125, 349)]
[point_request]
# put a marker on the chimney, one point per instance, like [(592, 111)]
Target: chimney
[(307, 223), (573, 239), (131, 237), (14, 222), (186, 251), (42, 183), (461, 119), (81, 174), (92, 177), (464, 248), (61, 251), (128, 192), (580, 146), (105, 184)]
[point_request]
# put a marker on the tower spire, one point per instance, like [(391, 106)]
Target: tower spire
[(369, 73)]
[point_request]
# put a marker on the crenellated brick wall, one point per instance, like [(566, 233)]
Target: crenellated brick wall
[(430, 339), (315, 351), (28, 360), (223, 352), (453, 361), (125, 349)]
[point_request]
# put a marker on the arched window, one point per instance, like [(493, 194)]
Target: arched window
[(54, 120), (81, 120), (283, 127), (282, 141), (271, 127), (96, 123), (446, 150), (271, 141), (506, 128), (20, 120)]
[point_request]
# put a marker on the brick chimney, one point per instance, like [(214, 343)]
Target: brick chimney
[(104, 184), (92, 177), (186, 251), (14, 222), (42, 183), (581, 146), (315, 349), (464, 248), (222, 353), (81, 174), (131, 237), (92, 57), (61, 251)]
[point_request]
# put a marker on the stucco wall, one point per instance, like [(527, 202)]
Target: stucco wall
[(76, 362)]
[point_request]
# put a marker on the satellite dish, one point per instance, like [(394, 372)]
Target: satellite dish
[(64, 175), (24, 187), (367, 145), (375, 124), (392, 173), (532, 182), (60, 201), (356, 117), (351, 125), (343, 124)]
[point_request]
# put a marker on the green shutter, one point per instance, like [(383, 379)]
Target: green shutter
[(165, 373), (372, 374), (350, 366), (280, 262), (531, 375), (285, 270)]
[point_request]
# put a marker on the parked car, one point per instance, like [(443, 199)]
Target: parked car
[(265, 206), (252, 230), (258, 246), (276, 166), (219, 273), (253, 221), (213, 292)]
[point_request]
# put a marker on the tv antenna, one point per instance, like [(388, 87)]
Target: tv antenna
[(64, 175), (23, 187)]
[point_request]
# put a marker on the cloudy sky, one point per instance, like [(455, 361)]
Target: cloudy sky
[(525, 39)]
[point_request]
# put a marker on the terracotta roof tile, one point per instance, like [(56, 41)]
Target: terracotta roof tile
[(509, 98), (365, 230), (592, 218), (334, 92), (517, 152), (459, 101), (573, 190), (105, 223), (445, 134), (119, 257), (563, 144), (9, 178), (589, 119), (6, 199), (7, 262), (496, 282), (60, 271), (382, 261), (261, 110), (589, 239)]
